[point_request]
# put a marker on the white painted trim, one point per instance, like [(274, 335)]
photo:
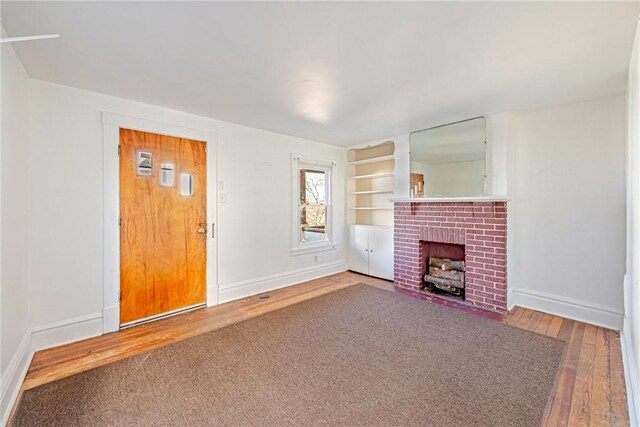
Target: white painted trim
[(111, 123), (67, 331), (212, 295), (311, 248), (451, 199), (110, 316), (631, 379), (237, 290), (14, 376), (298, 160), (594, 314)]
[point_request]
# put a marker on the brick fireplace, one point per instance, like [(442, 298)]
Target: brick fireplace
[(477, 228)]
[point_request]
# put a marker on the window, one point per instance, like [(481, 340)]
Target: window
[(312, 205)]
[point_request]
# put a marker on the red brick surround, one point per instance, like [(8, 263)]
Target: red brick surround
[(480, 226)]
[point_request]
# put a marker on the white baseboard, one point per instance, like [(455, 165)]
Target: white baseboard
[(594, 314), (14, 376), (66, 331), (237, 290), (631, 378)]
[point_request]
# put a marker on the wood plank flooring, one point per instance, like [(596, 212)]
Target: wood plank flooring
[(590, 389)]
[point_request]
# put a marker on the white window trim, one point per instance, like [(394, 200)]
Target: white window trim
[(328, 166)]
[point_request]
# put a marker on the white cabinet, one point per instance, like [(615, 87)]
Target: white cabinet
[(371, 250), (359, 249), (381, 252)]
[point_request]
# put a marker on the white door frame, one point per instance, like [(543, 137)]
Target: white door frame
[(111, 124)]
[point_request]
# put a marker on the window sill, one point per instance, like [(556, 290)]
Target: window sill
[(309, 249)]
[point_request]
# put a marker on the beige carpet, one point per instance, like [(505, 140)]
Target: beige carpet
[(358, 356)]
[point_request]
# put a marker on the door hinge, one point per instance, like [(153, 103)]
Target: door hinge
[(213, 230), (119, 221), (119, 148), (119, 296)]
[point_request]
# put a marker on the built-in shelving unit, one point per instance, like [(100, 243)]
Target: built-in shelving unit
[(370, 210), (370, 184)]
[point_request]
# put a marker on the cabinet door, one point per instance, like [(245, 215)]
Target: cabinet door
[(381, 252), (358, 249)]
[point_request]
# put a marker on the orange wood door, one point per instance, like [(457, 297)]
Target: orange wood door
[(162, 251)]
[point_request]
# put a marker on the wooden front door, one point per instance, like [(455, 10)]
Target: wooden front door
[(163, 229)]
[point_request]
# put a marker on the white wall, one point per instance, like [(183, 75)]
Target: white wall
[(631, 328), (567, 190), (499, 135), (65, 232), (14, 318)]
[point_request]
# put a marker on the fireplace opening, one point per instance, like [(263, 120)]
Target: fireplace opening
[(444, 269)]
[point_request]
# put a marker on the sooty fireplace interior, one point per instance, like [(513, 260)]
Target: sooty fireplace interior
[(444, 268)]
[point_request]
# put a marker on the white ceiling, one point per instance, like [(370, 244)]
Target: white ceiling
[(337, 72)]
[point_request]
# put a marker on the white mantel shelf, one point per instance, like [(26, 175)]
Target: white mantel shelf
[(452, 199)]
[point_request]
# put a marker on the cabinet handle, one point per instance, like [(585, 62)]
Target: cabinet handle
[(371, 250)]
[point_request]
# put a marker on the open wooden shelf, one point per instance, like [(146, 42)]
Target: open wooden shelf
[(371, 160), (372, 175), (370, 185), (364, 193)]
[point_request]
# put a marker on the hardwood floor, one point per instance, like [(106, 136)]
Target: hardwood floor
[(590, 389)]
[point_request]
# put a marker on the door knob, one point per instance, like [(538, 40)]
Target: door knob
[(202, 228)]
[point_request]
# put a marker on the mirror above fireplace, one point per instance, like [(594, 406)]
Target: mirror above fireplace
[(449, 160)]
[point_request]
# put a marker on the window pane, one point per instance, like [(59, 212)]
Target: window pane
[(312, 187), (313, 221)]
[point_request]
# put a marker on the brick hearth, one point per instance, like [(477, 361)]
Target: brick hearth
[(480, 226)]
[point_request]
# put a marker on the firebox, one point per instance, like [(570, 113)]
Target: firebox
[(444, 268)]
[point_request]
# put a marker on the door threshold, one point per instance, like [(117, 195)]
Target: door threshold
[(162, 315)]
